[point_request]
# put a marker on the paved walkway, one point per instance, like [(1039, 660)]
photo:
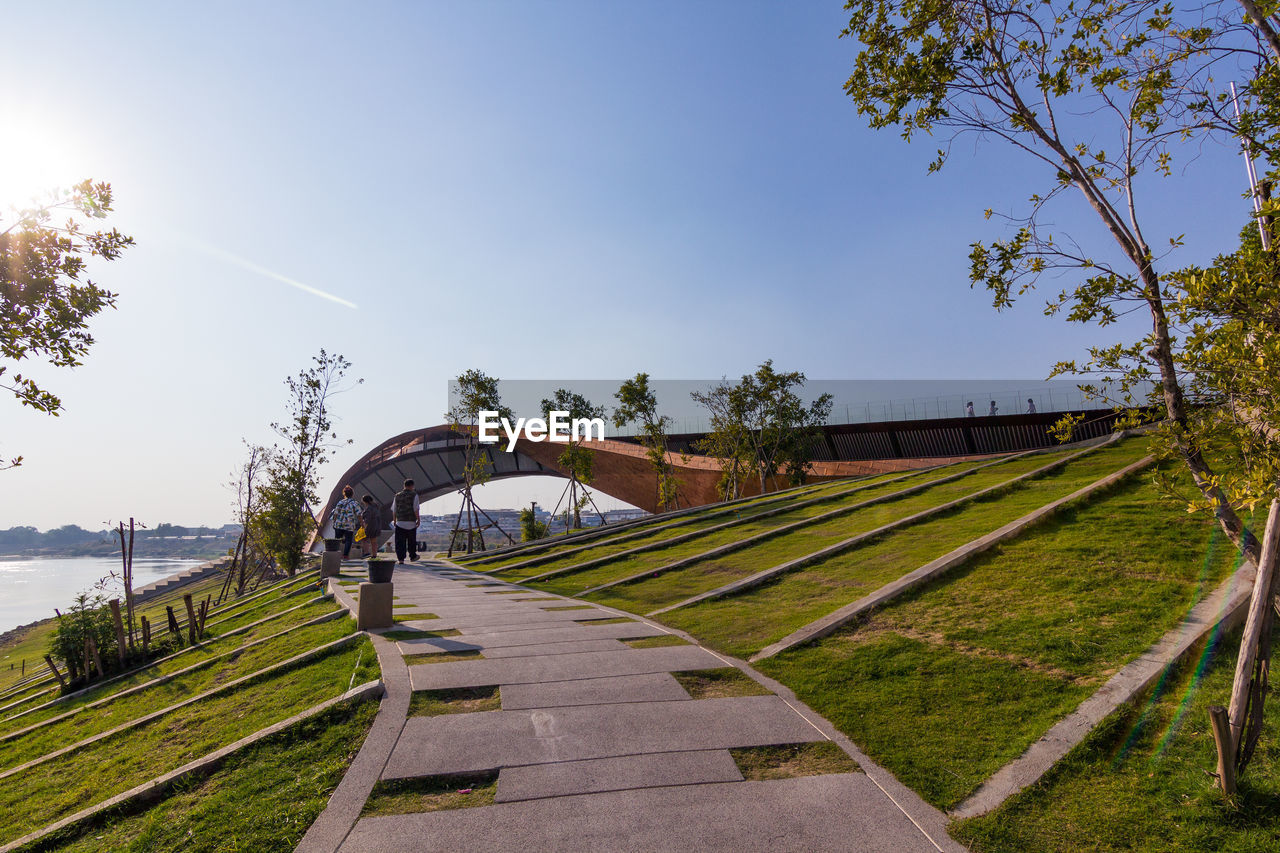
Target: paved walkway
[(597, 745)]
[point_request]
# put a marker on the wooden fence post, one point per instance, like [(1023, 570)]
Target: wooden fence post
[(119, 626), (62, 682), (97, 659), (191, 617), (1223, 739), (1257, 621), (173, 624), (146, 635)]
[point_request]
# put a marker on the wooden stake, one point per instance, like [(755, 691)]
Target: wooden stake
[(62, 682), (119, 626), (1254, 623), (146, 636), (204, 614), (191, 617), (173, 624), (1226, 749), (97, 659)]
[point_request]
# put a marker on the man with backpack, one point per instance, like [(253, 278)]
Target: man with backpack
[(406, 518)]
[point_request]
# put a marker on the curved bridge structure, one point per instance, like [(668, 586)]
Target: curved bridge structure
[(433, 457)]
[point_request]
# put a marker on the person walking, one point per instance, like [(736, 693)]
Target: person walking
[(1031, 406), (371, 520), (968, 409), (407, 517), (346, 518), (993, 410)]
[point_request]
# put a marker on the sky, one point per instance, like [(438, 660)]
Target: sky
[(540, 190)]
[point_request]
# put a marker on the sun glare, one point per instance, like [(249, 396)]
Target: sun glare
[(34, 161)]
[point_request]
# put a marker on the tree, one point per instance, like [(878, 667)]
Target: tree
[(1097, 92), (476, 392), (575, 458), (307, 441), (779, 427), (530, 527), (638, 404), (1103, 95), (728, 441), (44, 301)]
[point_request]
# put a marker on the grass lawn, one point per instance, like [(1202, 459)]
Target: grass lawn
[(745, 623), (65, 784), (806, 539), (1010, 643), (745, 522), (87, 723), (192, 655), (1139, 782), (556, 545), (262, 799)]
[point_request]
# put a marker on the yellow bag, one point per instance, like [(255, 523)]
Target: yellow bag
[(360, 534)]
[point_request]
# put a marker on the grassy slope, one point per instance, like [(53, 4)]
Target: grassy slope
[(1139, 782), (795, 599), (1010, 643), (743, 523), (89, 775), (261, 800)]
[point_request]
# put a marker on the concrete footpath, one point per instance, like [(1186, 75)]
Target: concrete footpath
[(596, 746)]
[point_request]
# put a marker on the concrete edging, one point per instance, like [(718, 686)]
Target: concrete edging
[(157, 786), (828, 624), (854, 541)]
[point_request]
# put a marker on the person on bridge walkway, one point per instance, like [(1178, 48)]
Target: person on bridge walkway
[(371, 520), (1031, 406), (993, 410), (408, 517), (346, 518)]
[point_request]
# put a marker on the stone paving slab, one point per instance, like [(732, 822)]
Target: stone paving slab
[(523, 620), (612, 631), (815, 813), (566, 648), (654, 770), (611, 690), (464, 743), (480, 673)]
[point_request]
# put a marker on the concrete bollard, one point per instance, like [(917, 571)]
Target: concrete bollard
[(374, 608), (330, 564)]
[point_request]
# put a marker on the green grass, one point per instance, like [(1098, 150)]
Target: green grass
[(431, 794), (745, 525), (208, 649), (1139, 782), (263, 798), (1010, 643), (684, 524), (656, 642), (939, 720), (720, 683), (460, 700), (745, 623), (90, 775), (107, 716), (708, 574), (441, 657), (788, 761)]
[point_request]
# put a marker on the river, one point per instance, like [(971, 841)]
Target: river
[(30, 588)]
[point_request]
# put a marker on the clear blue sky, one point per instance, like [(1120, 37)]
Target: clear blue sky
[(537, 190)]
